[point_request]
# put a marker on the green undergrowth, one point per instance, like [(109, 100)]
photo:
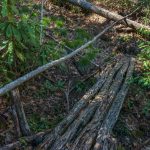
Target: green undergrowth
[(38, 123), (142, 77), (144, 58), (49, 88), (141, 50), (20, 49), (83, 86)]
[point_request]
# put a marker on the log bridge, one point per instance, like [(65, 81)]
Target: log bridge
[(89, 124)]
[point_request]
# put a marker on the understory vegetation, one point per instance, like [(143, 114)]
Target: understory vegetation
[(20, 35)]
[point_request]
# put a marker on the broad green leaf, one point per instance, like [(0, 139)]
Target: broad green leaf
[(9, 31), (10, 53), (16, 33), (59, 23), (4, 10), (20, 55)]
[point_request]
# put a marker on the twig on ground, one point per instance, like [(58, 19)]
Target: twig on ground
[(68, 48), (16, 121), (46, 77), (67, 92)]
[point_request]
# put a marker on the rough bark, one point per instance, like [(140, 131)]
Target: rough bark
[(21, 117), (89, 124), (26, 140), (107, 14)]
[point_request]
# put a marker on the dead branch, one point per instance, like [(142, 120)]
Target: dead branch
[(107, 14), (21, 117), (43, 68)]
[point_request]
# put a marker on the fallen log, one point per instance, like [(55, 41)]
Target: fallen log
[(107, 14), (92, 119)]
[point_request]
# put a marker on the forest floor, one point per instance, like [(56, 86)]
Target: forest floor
[(46, 105)]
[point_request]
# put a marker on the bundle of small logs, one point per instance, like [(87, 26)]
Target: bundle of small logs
[(89, 124)]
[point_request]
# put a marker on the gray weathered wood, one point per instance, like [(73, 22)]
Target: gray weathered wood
[(102, 141), (83, 127), (107, 14), (24, 127)]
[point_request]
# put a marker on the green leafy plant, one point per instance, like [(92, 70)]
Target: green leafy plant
[(80, 37), (144, 57), (23, 141), (18, 33), (38, 123), (49, 87), (121, 129), (80, 86), (120, 147), (89, 55), (20, 49), (146, 108), (130, 104)]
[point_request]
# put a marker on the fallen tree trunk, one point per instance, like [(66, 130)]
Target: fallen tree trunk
[(107, 14), (89, 124)]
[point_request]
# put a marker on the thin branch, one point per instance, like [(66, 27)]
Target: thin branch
[(68, 48), (43, 68), (41, 23), (67, 92)]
